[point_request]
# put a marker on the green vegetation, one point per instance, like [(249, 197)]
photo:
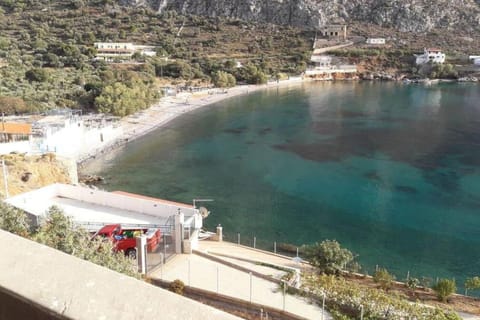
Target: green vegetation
[(59, 232), (444, 288), (346, 299), (472, 284), (328, 256), (47, 54), (383, 278)]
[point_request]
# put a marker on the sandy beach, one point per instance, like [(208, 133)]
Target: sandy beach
[(170, 107)]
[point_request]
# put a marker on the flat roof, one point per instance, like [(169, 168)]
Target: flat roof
[(94, 208), (15, 128)]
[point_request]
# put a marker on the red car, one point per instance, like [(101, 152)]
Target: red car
[(124, 239)]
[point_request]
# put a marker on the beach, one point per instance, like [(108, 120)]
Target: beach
[(170, 107)]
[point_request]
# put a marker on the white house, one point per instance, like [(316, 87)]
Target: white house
[(475, 60), (376, 41), (93, 209), (432, 55), (109, 51), (321, 61)]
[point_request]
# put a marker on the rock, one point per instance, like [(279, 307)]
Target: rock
[(403, 15)]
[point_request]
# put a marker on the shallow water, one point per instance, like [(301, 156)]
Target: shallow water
[(391, 171)]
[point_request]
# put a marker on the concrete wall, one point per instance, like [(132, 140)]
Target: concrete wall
[(39, 282), (87, 139), (20, 146)]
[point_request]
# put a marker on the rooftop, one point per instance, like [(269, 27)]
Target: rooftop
[(95, 208)]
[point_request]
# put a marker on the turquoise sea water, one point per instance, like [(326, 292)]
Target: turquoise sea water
[(391, 171)]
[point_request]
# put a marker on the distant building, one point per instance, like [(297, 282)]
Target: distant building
[(326, 69), (15, 137), (475, 60), (110, 51), (322, 62), (334, 31), (375, 41), (432, 55)]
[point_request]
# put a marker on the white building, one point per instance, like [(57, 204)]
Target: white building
[(110, 51), (432, 55), (56, 134), (322, 61), (375, 41), (92, 209), (475, 60)]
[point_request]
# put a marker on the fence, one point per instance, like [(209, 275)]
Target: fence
[(166, 248)]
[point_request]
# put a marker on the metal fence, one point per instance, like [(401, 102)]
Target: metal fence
[(166, 248)]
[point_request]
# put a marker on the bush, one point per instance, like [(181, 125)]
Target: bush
[(472, 284), (444, 288), (328, 256), (383, 278), (177, 286), (36, 74), (223, 79)]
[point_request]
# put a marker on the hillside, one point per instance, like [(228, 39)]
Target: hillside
[(403, 15), (26, 173)]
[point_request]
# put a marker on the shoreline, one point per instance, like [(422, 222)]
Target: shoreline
[(169, 108)]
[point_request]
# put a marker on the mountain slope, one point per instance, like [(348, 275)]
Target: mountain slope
[(404, 15)]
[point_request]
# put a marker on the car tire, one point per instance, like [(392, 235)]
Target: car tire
[(131, 253)]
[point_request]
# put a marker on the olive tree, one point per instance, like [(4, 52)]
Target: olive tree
[(328, 256)]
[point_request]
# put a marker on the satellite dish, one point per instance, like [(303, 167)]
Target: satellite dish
[(203, 212)]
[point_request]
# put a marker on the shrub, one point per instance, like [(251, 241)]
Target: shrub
[(177, 286), (444, 288), (472, 284), (328, 256), (383, 278)]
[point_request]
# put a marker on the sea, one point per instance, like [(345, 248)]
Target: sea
[(389, 170)]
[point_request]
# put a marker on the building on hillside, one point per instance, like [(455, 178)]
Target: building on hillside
[(432, 55), (475, 60), (376, 41), (338, 31), (15, 137), (121, 51), (326, 68)]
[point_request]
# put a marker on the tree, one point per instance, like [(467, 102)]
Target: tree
[(13, 220), (328, 256), (383, 278), (472, 284), (36, 74), (444, 288), (58, 231), (223, 79), (12, 105)]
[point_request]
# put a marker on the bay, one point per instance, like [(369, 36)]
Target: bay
[(391, 171)]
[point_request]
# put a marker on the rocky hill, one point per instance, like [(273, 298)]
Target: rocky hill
[(403, 15)]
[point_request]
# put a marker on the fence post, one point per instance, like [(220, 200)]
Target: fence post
[(250, 287), (254, 242), (217, 280), (275, 247), (238, 238)]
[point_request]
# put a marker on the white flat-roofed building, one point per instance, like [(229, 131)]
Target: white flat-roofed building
[(432, 55), (92, 209), (110, 51), (475, 60), (375, 41)]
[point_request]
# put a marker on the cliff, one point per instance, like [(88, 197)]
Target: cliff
[(403, 15)]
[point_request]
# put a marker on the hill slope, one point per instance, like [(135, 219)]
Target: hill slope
[(404, 15)]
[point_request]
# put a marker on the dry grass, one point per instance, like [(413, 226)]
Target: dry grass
[(25, 173)]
